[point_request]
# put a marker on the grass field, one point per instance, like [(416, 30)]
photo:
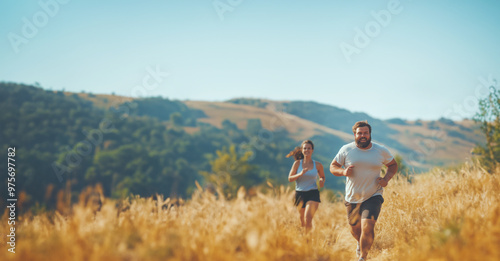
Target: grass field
[(441, 215)]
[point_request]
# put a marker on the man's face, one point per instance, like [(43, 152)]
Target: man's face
[(362, 137)]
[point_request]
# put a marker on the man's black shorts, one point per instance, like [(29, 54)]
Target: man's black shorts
[(301, 197), (369, 209)]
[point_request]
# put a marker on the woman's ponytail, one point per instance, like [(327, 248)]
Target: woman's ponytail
[(296, 153)]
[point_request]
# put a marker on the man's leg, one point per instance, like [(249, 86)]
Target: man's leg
[(356, 231), (367, 235), (370, 210), (354, 218)]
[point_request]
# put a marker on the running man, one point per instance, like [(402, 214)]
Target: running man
[(361, 162)]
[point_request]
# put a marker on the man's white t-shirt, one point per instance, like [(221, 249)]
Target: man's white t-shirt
[(362, 184)]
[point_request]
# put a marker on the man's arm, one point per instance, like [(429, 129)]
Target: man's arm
[(392, 168), (337, 170)]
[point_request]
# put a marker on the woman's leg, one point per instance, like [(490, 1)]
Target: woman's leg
[(311, 207), (302, 221)]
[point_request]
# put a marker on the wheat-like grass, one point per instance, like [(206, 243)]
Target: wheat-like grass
[(441, 215)]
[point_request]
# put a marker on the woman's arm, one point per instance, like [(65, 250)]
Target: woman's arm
[(293, 175), (321, 174)]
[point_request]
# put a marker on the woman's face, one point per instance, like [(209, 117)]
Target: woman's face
[(307, 149)]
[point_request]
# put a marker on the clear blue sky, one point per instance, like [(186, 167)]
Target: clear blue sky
[(423, 63)]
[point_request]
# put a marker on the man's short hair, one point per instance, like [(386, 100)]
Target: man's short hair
[(360, 124)]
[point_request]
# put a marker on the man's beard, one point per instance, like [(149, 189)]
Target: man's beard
[(363, 144)]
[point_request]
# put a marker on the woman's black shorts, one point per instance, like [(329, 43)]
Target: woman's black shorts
[(301, 197)]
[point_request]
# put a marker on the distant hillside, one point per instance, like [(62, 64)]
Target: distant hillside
[(272, 118), (438, 143), (423, 145), (67, 141)]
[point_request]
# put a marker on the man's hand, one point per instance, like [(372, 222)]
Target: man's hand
[(349, 171), (382, 182)]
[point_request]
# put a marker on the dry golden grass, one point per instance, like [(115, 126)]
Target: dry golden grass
[(442, 215), (271, 119)]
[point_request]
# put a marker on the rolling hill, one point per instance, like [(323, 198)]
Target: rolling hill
[(422, 144)]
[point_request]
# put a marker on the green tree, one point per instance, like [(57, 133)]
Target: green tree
[(489, 119), (229, 126), (176, 119), (253, 127), (231, 171), (402, 167)]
